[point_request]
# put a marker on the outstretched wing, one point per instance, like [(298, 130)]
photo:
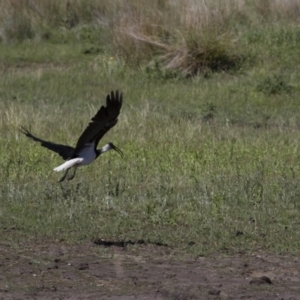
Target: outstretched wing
[(105, 119), (64, 151)]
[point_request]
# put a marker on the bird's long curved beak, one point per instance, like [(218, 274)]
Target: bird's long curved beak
[(118, 150)]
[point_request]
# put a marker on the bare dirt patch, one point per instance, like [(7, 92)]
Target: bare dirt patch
[(140, 271)]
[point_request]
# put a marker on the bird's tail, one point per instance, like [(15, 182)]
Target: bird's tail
[(68, 164)]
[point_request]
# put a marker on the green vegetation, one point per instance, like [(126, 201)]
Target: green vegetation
[(209, 126)]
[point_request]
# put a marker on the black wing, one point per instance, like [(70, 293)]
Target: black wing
[(64, 151), (105, 119)]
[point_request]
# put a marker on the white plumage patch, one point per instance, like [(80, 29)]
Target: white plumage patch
[(86, 156), (69, 164)]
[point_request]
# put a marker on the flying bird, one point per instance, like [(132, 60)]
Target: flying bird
[(86, 150)]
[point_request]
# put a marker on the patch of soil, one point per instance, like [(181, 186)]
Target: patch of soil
[(140, 271)]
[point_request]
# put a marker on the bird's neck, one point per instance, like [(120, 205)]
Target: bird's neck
[(104, 149), (98, 152)]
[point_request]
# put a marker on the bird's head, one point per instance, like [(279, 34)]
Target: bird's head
[(111, 146)]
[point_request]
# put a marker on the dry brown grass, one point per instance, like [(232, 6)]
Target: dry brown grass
[(189, 37), (276, 10), (27, 19)]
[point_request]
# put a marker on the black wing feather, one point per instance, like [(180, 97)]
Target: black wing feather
[(105, 119), (64, 151)]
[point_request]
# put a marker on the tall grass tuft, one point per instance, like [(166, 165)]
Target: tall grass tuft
[(190, 38)]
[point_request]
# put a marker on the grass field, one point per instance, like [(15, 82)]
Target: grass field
[(211, 141)]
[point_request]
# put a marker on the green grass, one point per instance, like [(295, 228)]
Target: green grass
[(211, 163)]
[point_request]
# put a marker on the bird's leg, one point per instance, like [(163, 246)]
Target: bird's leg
[(64, 177), (73, 175)]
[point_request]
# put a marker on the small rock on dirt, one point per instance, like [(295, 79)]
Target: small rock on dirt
[(261, 280), (83, 266), (214, 292)]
